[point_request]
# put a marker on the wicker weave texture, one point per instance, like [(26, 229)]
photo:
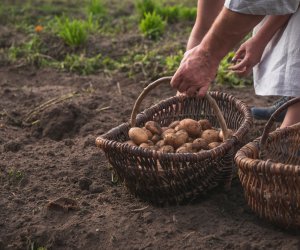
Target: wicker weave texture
[(272, 183), (177, 178)]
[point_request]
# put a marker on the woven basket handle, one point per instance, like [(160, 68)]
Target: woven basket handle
[(165, 79), (273, 118)]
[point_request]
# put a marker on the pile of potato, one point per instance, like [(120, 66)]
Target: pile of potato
[(185, 136)]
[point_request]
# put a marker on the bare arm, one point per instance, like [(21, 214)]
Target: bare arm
[(199, 68), (207, 11), (249, 54), (270, 27)]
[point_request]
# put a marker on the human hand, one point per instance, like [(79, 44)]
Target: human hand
[(247, 56), (196, 71)]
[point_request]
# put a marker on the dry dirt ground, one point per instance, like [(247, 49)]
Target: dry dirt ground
[(55, 184)]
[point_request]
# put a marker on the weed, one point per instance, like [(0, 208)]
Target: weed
[(152, 26), (96, 8), (146, 6), (15, 175), (170, 13), (73, 33), (225, 76), (172, 62), (80, 64), (28, 53), (187, 14)]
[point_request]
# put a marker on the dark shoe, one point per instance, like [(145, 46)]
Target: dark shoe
[(264, 113)]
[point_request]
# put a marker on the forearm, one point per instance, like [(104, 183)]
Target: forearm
[(207, 11), (228, 29), (270, 27)]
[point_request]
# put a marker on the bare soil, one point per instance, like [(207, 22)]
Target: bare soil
[(55, 185)]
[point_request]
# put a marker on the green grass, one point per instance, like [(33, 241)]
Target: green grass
[(152, 26), (80, 64), (73, 32), (96, 8)]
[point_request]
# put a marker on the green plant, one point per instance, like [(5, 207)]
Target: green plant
[(188, 14), (73, 33), (96, 8), (15, 175), (173, 61), (152, 25), (146, 6), (225, 76), (80, 64), (169, 13), (28, 52)]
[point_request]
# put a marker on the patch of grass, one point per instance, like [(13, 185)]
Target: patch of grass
[(152, 26), (225, 76), (96, 8), (146, 6), (28, 53), (73, 32), (80, 64), (172, 62), (187, 14)]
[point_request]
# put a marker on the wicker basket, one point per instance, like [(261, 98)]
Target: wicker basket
[(177, 178), (269, 171)]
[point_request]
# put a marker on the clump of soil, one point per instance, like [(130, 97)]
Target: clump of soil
[(62, 121)]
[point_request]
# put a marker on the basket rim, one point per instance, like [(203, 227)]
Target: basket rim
[(247, 157), (221, 150)]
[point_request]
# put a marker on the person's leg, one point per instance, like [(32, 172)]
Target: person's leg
[(292, 115), (207, 11), (264, 113)]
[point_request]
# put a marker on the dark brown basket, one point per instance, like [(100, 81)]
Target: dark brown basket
[(177, 178), (269, 171)]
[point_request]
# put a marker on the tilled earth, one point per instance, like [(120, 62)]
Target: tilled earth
[(56, 188)]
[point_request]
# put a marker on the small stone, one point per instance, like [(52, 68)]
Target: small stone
[(84, 183)]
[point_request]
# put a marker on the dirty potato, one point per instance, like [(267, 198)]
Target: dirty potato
[(205, 124), (199, 144), (213, 145), (138, 135), (167, 149), (191, 126), (210, 135), (154, 127)]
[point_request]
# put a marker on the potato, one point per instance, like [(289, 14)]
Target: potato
[(189, 146), (183, 150), (167, 149), (210, 135), (160, 143), (155, 138), (144, 145), (221, 136), (199, 144), (190, 139), (164, 129), (205, 124), (154, 147), (191, 126), (149, 133), (181, 137), (131, 143), (153, 127), (169, 138), (138, 135), (213, 145), (168, 131), (174, 124)]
